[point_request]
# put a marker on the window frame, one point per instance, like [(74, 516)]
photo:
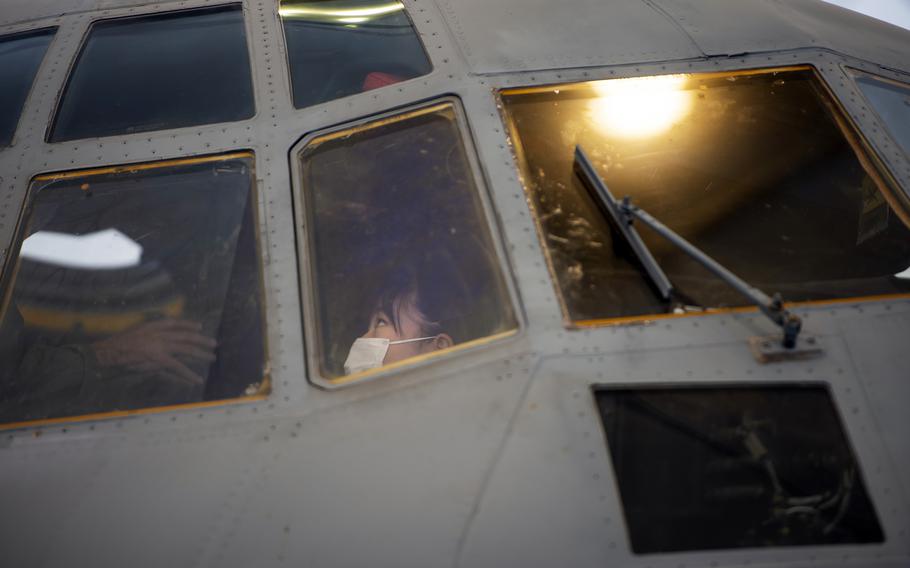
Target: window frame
[(11, 268), (160, 11), (287, 61), (854, 73), (309, 301), (28, 95), (871, 161)]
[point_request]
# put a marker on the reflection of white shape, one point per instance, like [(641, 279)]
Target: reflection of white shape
[(905, 275), (640, 107), (105, 249)]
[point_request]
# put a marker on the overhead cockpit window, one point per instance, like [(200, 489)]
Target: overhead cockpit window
[(158, 72), (135, 287), (891, 102), (712, 468), (757, 169), (20, 56), (403, 264), (338, 48)]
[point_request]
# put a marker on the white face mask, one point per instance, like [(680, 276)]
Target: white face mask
[(369, 352)]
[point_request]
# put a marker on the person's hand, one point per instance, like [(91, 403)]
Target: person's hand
[(159, 346)]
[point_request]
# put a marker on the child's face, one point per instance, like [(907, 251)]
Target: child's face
[(410, 326)]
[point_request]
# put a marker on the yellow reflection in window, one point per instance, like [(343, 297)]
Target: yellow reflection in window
[(640, 107), (338, 11)]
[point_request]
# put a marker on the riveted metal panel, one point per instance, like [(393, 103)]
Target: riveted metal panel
[(730, 28), (515, 35)]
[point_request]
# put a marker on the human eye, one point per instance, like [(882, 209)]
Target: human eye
[(379, 320)]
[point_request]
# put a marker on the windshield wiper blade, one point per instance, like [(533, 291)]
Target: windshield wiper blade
[(623, 213), (596, 186)]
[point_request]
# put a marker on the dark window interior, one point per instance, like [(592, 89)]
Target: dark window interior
[(134, 288), (712, 468), (20, 56), (157, 72), (338, 48)]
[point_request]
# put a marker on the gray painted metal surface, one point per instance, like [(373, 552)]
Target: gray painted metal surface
[(492, 458)]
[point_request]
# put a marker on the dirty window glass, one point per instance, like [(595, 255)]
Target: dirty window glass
[(134, 287), (338, 48), (403, 261), (20, 56), (891, 101), (157, 72), (751, 168), (712, 468)]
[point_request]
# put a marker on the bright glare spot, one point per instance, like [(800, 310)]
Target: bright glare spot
[(905, 275), (312, 10), (107, 249), (640, 107)]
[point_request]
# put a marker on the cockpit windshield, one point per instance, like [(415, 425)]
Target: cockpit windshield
[(757, 169)]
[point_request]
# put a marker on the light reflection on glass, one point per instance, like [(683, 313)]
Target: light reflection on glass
[(101, 250), (640, 107), (337, 11)]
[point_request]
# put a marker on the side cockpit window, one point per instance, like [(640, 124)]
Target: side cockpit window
[(891, 102), (158, 72), (757, 169), (338, 48), (134, 287), (403, 263), (20, 56)]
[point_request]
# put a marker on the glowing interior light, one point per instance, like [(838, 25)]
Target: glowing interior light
[(310, 10), (905, 275), (641, 107)]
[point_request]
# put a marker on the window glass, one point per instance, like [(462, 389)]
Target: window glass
[(157, 72), (338, 48), (403, 260), (752, 168), (891, 101), (20, 56), (712, 468), (135, 287)]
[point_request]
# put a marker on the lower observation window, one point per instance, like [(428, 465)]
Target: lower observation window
[(135, 287), (760, 170), (713, 468)]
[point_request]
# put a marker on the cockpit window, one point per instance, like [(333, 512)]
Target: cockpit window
[(757, 169), (158, 72), (891, 102), (134, 287), (714, 467), (338, 48), (403, 264), (20, 56)]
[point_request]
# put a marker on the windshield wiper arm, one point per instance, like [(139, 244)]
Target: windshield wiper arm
[(624, 213), (596, 186)]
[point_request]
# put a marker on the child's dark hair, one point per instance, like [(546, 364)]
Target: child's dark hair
[(448, 300)]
